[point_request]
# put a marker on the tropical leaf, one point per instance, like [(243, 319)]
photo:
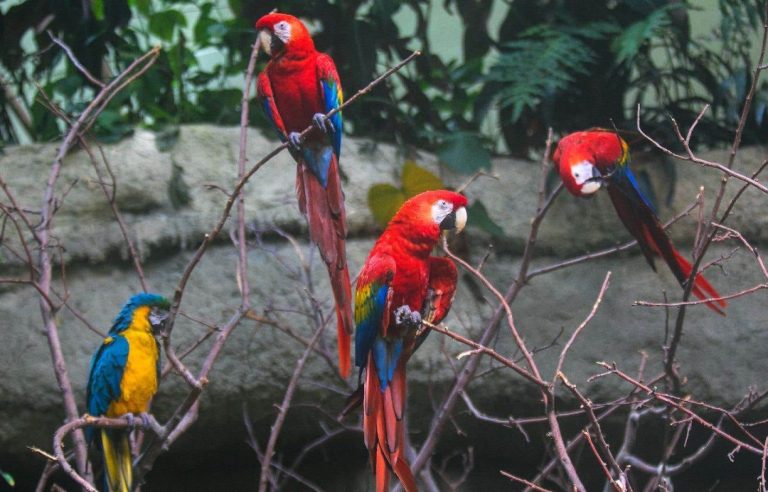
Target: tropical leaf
[(384, 200), (464, 153), (478, 217), (416, 179), (164, 23), (627, 44), (545, 60)]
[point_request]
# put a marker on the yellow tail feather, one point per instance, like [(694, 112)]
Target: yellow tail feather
[(118, 472)]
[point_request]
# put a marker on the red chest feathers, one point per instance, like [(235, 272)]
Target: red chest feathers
[(296, 91), (410, 285)]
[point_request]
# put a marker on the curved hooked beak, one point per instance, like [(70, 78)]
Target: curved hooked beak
[(268, 41), (157, 319), (455, 220), (588, 177)]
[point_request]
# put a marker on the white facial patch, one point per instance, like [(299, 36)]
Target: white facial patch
[(283, 31), (582, 173), (440, 210)]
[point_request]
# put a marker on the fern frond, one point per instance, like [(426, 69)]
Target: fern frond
[(544, 61)]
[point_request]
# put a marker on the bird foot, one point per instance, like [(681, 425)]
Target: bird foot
[(131, 419), (323, 123), (406, 317), (294, 140)]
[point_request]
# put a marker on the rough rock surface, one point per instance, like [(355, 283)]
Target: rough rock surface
[(720, 356)]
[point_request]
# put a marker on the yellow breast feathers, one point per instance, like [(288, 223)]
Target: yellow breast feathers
[(139, 383)]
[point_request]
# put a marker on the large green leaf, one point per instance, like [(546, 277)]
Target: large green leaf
[(162, 24), (416, 180), (478, 217), (384, 200), (464, 153)]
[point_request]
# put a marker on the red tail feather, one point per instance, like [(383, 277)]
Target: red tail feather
[(324, 210), (342, 293), (383, 428), (701, 287)]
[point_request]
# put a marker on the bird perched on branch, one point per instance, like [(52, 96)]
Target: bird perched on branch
[(592, 159), (400, 285), (297, 87), (123, 379)]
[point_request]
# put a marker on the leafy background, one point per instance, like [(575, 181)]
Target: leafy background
[(523, 66)]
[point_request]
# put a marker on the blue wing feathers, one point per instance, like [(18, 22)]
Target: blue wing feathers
[(106, 374), (367, 330), (331, 97), (625, 174), (268, 113)]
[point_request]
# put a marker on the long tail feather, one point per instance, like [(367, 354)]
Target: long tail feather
[(342, 293), (702, 289), (326, 216), (118, 471), (381, 470), (641, 221), (404, 474), (384, 429)]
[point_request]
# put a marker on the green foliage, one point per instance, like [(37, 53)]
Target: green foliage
[(384, 200), (464, 153), (545, 60), (479, 218), (568, 65), (627, 44)]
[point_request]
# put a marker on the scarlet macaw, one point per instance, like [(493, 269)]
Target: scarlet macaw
[(123, 379), (591, 159), (296, 88), (399, 285)]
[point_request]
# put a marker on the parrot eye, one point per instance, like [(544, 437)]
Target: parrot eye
[(440, 209), (283, 31)]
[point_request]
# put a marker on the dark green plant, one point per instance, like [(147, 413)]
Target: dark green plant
[(563, 64), (577, 65)]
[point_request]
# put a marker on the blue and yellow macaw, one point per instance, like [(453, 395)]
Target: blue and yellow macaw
[(123, 379)]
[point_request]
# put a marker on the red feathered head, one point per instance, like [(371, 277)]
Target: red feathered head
[(424, 216), (283, 32), (583, 157)]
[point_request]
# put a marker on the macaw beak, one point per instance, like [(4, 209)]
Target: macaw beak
[(266, 38), (587, 177), (455, 220), (157, 319)]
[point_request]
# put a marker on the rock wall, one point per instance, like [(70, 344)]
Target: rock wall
[(720, 356)]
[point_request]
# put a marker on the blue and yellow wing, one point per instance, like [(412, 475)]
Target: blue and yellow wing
[(267, 101), (333, 97), (373, 299), (106, 374)]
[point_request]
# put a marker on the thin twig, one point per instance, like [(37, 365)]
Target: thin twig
[(283, 410)]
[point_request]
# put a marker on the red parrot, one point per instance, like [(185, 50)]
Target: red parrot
[(399, 285), (591, 159), (296, 88)]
